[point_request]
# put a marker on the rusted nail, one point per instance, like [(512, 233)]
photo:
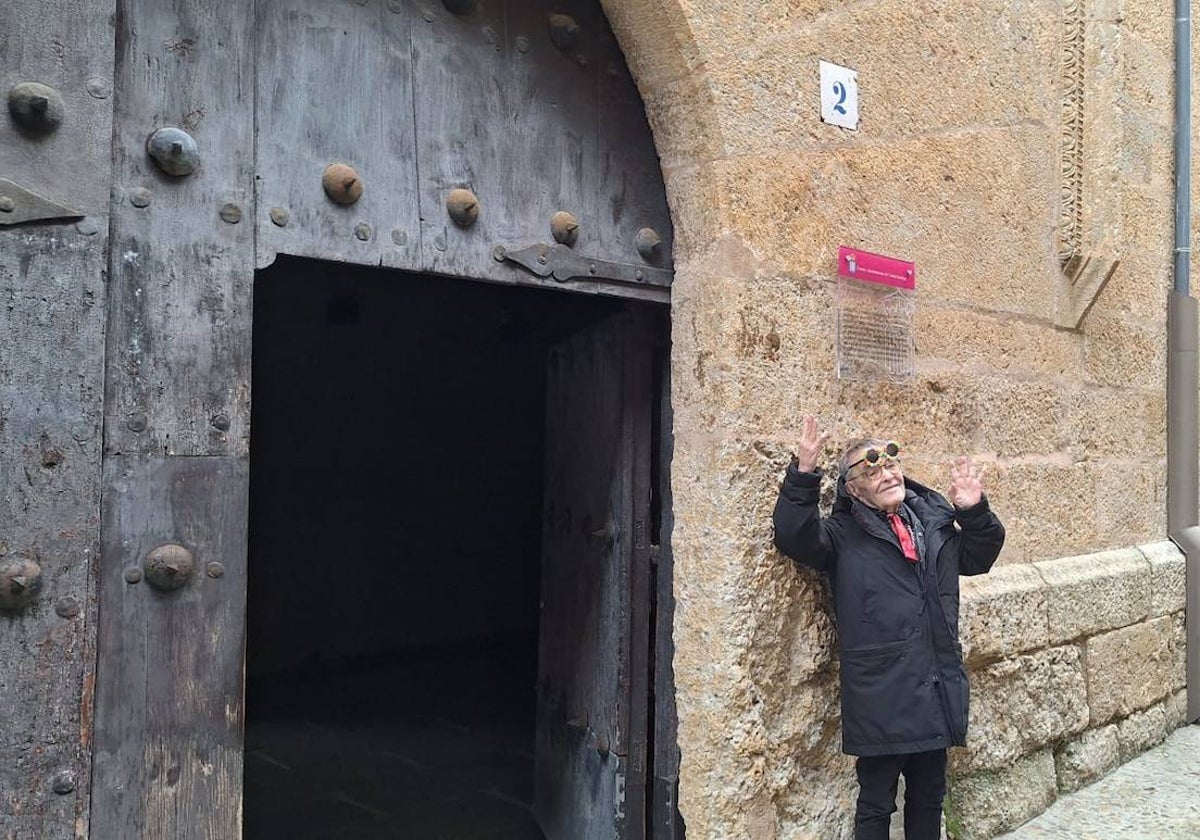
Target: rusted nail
[(139, 197), (638, 275), (35, 107), (459, 7), (67, 607), (63, 782), (564, 228), (564, 31), (341, 183), (231, 213), (362, 232), (399, 238), (168, 567), (20, 583), (174, 151), (214, 569), (279, 216), (133, 575), (499, 253), (463, 207), (7, 205), (137, 422), (648, 243), (220, 422)]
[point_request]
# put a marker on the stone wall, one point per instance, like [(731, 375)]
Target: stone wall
[(1076, 665), (994, 135)]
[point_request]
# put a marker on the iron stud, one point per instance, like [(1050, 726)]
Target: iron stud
[(168, 567), (35, 107), (140, 197), (20, 583), (215, 570), (564, 32), (63, 782), (463, 207), (279, 216), (648, 243), (67, 607), (342, 184), (565, 228), (174, 151), (7, 205), (362, 232), (231, 213)]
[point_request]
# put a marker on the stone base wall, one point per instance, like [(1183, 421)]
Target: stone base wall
[(1077, 665)]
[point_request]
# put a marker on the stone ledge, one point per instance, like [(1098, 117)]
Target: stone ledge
[(1168, 574), (1095, 592), (984, 805), (1003, 613)]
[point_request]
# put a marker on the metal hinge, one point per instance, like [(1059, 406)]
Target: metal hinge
[(18, 204), (563, 264)]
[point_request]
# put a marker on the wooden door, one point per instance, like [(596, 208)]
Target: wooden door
[(593, 657)]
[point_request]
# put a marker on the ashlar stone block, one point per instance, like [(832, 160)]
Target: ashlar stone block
[(1002, 613), (1130, 668), (1176, 710), (981, 806), (1021, 704), (1095, 592), (1168, 575), (1085, 759), (1141, 731)]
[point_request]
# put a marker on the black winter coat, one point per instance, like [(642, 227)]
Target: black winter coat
[(904, 689)]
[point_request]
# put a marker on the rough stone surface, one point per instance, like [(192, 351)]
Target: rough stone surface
[(1070, 422), (981, 806), (1141, 731), (1130, 668), (1096, 592), (1021, 704), (1085, 759), (1002, 613), (1168, 577), (1176, 710)]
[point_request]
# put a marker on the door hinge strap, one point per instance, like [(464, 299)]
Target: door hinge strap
[(18, 204), (563, 264)]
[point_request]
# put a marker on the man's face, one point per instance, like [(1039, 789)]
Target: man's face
[(880, 486)]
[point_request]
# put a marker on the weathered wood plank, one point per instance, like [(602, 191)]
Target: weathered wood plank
[(169, 713), (334, 86), (591, 734), (51, 387), (505, 112), (181, 275)]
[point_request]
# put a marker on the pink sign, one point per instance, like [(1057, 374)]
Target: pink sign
[(876, 268)]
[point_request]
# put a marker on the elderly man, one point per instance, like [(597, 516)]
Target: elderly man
[(893, 550)]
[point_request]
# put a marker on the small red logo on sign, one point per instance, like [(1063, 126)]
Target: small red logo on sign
[(876, 268)]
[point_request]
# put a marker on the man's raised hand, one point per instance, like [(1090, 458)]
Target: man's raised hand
[(812, 441), (966, 483)]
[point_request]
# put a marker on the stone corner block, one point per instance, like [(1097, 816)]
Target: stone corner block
[(1021, 704), (1095, 592), (1085, 759), (1132, 668), (1141, 731), (986, 804), (1168, 577), (1003, 613)]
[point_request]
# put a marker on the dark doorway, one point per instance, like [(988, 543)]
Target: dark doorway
[(396, 510)]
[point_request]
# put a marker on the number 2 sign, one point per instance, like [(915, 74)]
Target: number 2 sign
[(839, 95)]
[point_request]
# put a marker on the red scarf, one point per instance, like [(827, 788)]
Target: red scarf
[(906, 541)]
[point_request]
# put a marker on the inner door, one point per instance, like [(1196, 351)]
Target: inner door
[(593, 654)]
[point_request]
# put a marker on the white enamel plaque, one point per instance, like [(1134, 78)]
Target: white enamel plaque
[(839, 95)]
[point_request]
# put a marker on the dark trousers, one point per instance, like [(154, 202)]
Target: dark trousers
[(924, 789)]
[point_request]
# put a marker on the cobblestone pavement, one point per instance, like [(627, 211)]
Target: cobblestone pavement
[(1157, 795)]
